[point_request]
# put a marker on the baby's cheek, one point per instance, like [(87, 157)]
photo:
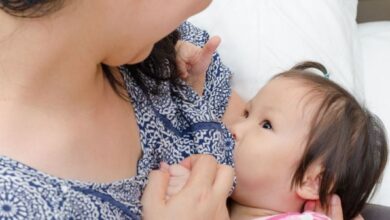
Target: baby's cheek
[(246, 162), (249, 168), (246, 179)]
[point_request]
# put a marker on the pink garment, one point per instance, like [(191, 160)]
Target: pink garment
[(296, 216)]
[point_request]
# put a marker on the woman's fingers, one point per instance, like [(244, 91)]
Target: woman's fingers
[(184, 51), (223, 181), (210, 47), (203, 196), (186, 163), (203, 172), (310, 206), (182, 68), (193, 60), (154, 194), (359, 217), (201, 61), (335, 209)]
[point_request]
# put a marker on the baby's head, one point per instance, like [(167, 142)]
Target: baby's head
[(302, 138)]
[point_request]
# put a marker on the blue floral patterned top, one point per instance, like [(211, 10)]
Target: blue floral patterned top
[(173, 125)]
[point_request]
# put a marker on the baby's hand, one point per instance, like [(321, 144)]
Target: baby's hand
[(178, 178), (193, 62)]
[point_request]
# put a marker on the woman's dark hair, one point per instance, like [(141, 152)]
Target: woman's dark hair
[(345, 137), (160, 65), (30, 8)]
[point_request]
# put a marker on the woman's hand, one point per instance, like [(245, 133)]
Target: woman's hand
[(203, 196), (193, 61), (335, 211)]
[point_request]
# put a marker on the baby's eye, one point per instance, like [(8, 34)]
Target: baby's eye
[(267, 124), (245, 114)]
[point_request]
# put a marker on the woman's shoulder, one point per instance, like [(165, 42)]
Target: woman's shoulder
[(193, 34)]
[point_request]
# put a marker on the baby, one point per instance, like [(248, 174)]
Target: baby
[(301, 138)]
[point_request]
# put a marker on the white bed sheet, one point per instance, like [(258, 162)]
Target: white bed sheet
[(375, 42), (263, 38)]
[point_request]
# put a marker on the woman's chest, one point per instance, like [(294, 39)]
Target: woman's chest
[(101, 146), (108, 149)]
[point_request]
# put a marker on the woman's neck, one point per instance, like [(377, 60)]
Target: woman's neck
[(51, 83), (45, 64), (242, 212)]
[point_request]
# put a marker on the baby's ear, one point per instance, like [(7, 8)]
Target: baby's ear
[(309, 189)]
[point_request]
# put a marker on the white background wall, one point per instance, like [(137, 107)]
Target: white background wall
[(375, 41)]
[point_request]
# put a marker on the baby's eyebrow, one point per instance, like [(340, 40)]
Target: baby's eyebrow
[(274, 112)]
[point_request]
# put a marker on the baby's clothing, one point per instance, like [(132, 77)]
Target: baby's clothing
[(296, 216), (173, 125)]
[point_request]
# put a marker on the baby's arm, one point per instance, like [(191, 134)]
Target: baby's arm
[(178, 178)]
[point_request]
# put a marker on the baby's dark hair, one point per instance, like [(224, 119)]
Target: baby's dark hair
[(349, 140)]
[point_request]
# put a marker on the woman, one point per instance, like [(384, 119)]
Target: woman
[(70, 141), (61, 120)]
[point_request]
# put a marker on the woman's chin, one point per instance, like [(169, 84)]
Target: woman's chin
[(141, 56), (123, 59)]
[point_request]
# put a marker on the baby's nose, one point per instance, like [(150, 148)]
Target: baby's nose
[(236, 130)]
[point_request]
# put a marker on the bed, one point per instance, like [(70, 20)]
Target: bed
[(263, 37)]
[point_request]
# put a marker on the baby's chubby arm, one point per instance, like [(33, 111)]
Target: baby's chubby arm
[(178, 176)]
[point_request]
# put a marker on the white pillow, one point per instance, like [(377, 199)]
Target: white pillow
[(375, 39), (263, 37)]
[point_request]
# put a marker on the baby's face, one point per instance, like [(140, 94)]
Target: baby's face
[(270, 140)]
